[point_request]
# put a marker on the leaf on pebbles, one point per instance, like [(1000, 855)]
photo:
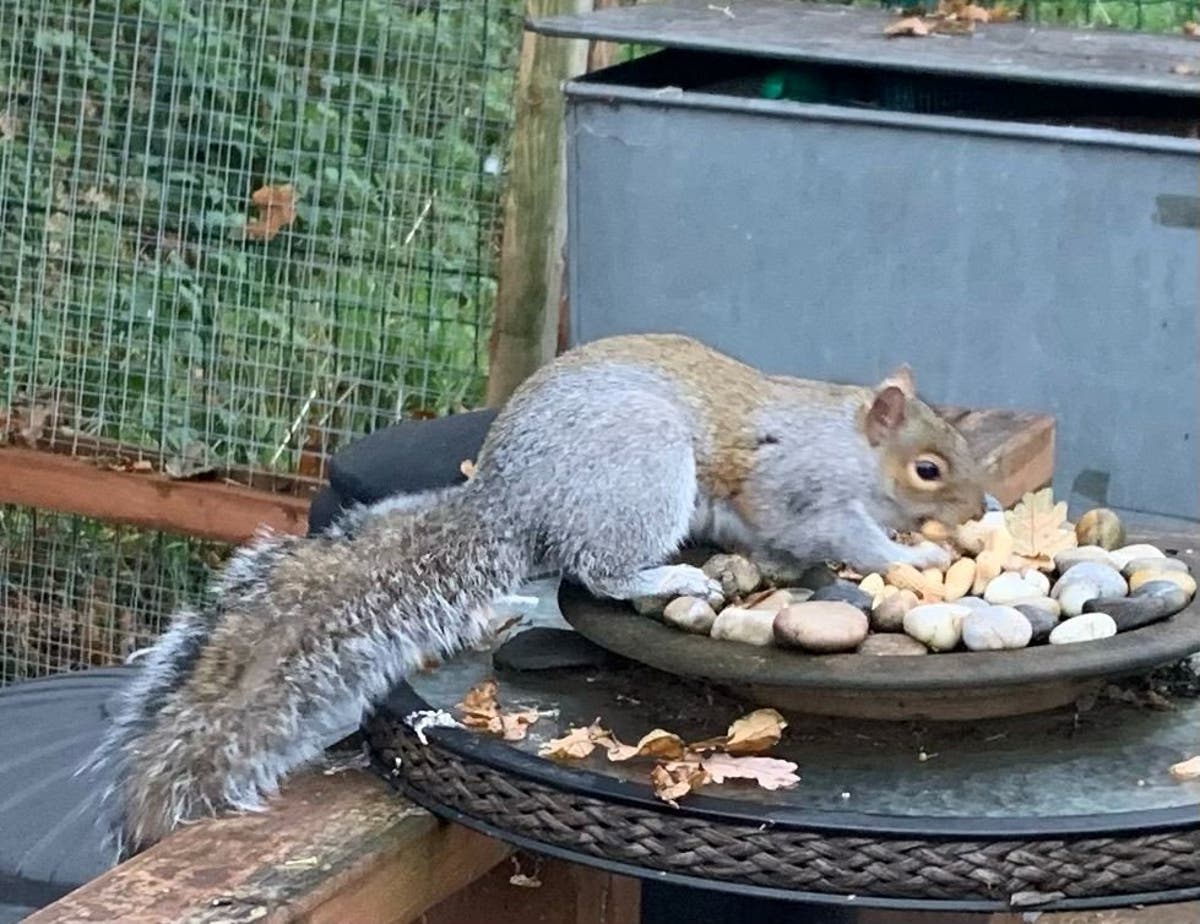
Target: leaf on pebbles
[(1039, 526)]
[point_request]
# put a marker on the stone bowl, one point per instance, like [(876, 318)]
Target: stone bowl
[(951, 686)]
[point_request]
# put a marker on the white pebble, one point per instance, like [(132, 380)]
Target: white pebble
[(750, 627), (938, 625), (1007, 587), (691, 614), (1127, 553), (1085, 628)]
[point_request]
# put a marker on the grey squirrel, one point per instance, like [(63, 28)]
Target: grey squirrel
[(602, 463)]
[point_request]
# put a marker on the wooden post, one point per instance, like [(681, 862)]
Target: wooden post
[(525, 330), (602, 54)]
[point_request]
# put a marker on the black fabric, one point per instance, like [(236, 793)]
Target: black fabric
[(410, 456)]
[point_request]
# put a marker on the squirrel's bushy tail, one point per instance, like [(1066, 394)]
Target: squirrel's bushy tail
[(297, 638)]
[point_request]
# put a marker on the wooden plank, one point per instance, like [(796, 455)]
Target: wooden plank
[(1015, 448), (556, 893), (209, 510), (332, 849), (529, 310), (602, 54)]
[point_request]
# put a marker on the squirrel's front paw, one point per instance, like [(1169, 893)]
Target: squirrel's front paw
[(926, 555), (686, 581)]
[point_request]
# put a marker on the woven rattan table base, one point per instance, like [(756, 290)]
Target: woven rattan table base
[(675, 841)]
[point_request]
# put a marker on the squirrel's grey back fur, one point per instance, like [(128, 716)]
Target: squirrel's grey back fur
[(601, 465)]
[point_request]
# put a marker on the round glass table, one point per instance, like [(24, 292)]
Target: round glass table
[(1069, 808)]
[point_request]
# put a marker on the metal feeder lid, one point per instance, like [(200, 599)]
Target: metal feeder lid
[(798, 31)]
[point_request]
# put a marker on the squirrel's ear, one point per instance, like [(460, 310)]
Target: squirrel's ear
[(902, 378), (885, 414)]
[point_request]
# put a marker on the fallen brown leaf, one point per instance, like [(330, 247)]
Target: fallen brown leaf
[(657, 743), (973, 13), (577, 743), (909, 25), (768, 772), (1191, 29), (755, 732), (1039, 526), (467, 467), (480, 710), (276, 207), (674, 780), (1185, 70), (1001, 13), (1186, 769)]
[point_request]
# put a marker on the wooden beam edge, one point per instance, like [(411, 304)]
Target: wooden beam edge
[(208, 510), (332, 848)]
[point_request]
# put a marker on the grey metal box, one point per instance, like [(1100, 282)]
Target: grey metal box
[(1014, 213)]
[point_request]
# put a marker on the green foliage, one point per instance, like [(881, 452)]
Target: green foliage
[(132, 135)]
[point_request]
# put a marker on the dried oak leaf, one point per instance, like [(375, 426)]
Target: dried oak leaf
[(1191, 29), (1001, 13), (480, 710), (768, 772), (577, 743), (973, 13), (467, 467), (1185, 70), (657, 743), (1186, 769), (674, 780), (1039, 526), (276, 210), (755, 732), (908, 26)]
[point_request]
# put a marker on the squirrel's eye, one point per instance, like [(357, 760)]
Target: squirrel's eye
[(927, 470)]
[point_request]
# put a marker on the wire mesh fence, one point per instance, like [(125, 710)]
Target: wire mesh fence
[(238, 232), (76, 593), (233, 235)]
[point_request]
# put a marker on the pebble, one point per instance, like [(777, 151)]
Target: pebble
[(1124, 555), (1086, 581), (872, 585), (738, 575), (1085, 628), (846, 592), (996, 628), (1180, 579), (1068, 557), (1045, 604), (751, 627), (938, 625), (821, 626), (973, 602), (775, 601), (1154, 564), (891, 643), (1038, 580), (1041, 621), (798, 594), (691, 614), (1010, 586), (1151, 602), (888, 616), (1100, 527)]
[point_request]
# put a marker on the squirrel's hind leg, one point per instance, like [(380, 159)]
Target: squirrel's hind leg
[(613, 527), (663, 581)]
